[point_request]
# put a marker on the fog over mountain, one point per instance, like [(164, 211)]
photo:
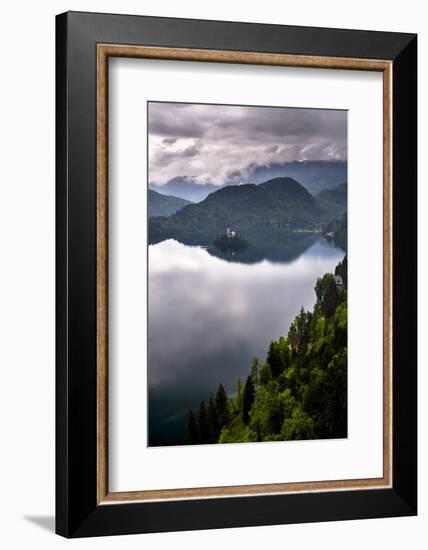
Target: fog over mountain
[(315, 176), (164, 205), (222, 144)]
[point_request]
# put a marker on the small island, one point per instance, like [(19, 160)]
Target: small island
[(230, 241)]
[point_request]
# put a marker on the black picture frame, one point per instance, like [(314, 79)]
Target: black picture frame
[(77, 511)]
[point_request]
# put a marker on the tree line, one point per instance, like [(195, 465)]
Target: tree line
[(299, 392)]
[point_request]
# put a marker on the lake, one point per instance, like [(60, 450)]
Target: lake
[(211, 313)]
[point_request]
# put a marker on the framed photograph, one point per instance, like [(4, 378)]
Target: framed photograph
[(236, 274)]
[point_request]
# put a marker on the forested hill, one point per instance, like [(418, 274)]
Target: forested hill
[(186, 188), (164, 205), (299, 392), (314, 175), (334, 200), (280, 205), (276, 207)]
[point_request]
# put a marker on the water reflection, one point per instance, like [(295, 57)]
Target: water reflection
[(209, 315), (274, 251)]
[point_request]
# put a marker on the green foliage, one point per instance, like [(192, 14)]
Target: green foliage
[(203, 427), (192, 435), (274, 359), (248, 399), (298, 426), (267, 413), (300, 392), (213, 427), (277, 206), (327, 296), (265, 375), (207, 426), (239, 396), (255, 373), (235, 432), (222, 407)]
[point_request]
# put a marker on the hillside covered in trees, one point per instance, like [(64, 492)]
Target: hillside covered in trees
[(337, 231), (299, 392), (270, 210), (163, 205), (334, 200), (315, 175)]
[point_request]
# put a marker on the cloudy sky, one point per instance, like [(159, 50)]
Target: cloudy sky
[(213, 143)]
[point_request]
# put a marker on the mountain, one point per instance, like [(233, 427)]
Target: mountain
[(186, 188), (335, 200), (164, 205), (273, 209), (315, 175)]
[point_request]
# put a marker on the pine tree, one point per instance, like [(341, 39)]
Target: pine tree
[(191, 428), (274, 359), (204, 432), (255, 373), (326, 292), (239, 392), (248, 399), (213, 430), (222, 407)]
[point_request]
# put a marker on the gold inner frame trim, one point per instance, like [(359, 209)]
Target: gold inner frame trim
[(104, 51)]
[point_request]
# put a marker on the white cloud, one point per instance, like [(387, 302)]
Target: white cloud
[(210, 142)]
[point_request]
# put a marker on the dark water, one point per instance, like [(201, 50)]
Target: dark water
[(211, 313)]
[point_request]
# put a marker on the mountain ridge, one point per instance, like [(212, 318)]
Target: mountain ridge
[(314, 175), (164, 205), (276, 207)]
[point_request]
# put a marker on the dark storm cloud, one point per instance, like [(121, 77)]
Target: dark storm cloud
[(213, 141), (169, 141), (191, 151), (174, 120)]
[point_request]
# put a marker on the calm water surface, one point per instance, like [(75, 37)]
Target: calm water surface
[(210, 314)]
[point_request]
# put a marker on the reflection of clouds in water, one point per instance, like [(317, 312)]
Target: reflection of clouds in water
[(173, 257), (209, 317)]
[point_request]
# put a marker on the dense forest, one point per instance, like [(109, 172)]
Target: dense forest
[(334, 200), (337, 231), (314, 175), (299, 392), (271, 210)]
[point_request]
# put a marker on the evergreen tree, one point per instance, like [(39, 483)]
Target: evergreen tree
[(239, 391), (274, 359), (301, 390), (213, 429), (255, 373), (248, 399), (222, 407), (204, 432), (191, 428), (265, 375), (284, 348), (326, 292)]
